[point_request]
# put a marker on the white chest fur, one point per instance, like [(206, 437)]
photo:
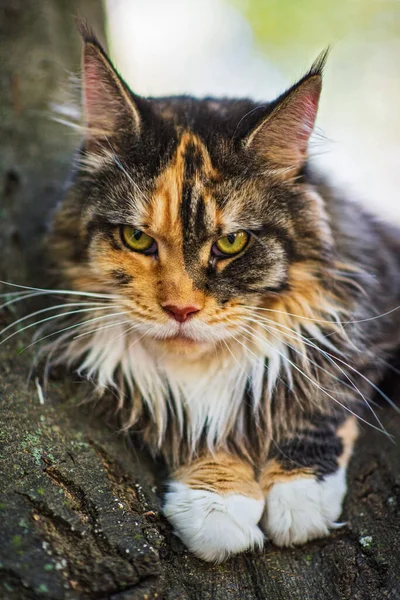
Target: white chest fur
[(207, 394)]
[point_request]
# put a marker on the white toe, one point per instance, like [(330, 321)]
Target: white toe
[(213, 526), (304, 509)]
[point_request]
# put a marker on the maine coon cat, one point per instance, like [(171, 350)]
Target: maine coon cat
[(241, 308)]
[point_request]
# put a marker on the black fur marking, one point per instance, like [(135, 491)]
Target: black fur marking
[(281, 234), (121, 276), (106, 230), (186, 208), (200, 220), (193, 209), (269, 289), (193, 161), (318, 449), (195, 227)]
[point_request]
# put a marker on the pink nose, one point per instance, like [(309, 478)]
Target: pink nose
[(180, 313)]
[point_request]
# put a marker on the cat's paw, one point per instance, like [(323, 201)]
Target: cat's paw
[(211, 525), (304, 509)]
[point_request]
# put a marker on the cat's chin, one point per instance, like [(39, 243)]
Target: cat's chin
[(182, 345)]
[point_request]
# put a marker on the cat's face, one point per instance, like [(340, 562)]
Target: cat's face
[(191, 212), (188, 256)]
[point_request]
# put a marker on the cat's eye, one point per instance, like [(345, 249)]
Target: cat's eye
[(231, 244), (138, 240)]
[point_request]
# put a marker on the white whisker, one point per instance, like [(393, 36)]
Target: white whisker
[(138, 340), (331, 360), (50, 308), (233, 356), (80, 324), (349, 322), (59, 316), (68, 292), (21, 296), (309, 360), (7, 294), (324, 391), (92, 331), (273, 376)]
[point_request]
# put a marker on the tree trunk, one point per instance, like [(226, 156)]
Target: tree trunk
[(79, 514)]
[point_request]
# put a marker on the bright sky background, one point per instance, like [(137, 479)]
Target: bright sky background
[(257, 48)]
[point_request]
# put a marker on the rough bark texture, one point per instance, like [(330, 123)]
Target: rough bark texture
[(79, 514)]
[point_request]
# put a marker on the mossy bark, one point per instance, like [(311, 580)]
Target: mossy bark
[(79, 513)]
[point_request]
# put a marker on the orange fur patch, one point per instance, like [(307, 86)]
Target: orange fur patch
[(221, 473), (348, 433), (306, 298), (275, 473), (306, 302)]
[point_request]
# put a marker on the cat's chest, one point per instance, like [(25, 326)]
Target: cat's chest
[(194, 396), (208, 394)]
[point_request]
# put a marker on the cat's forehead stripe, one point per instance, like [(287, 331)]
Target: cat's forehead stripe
[(182, 212), (180, 204)]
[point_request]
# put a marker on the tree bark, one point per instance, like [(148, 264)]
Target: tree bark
[(79, 513)]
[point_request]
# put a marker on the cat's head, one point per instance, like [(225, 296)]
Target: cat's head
[(192, 211)]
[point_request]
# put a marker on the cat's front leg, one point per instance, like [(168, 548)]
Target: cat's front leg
[(305, 483), (215, 505)]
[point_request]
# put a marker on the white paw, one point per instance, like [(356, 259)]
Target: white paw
[(213, 526), (304, 509)]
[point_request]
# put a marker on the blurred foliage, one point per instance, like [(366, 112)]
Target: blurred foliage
[(282, 24)]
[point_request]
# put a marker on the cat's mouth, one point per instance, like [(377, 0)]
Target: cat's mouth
[(182, 344), (182, 338), (188, 335)]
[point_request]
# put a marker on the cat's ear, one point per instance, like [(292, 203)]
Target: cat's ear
[(282, 137), (108, 104)]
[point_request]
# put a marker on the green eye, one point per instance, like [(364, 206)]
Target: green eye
[(137, 240), (231, 244)]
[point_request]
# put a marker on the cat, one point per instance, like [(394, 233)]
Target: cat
[(240, 306)]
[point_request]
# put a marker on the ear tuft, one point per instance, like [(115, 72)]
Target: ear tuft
[(282, 137), (87, 33), (318, 66), (109, 106)]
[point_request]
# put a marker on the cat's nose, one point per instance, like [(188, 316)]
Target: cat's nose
[(180, 313)]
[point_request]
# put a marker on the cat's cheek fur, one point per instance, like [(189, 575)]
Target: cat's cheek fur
[(304, 509), (214, 526)]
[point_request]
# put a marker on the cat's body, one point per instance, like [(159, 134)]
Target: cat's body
[(245, 369)]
